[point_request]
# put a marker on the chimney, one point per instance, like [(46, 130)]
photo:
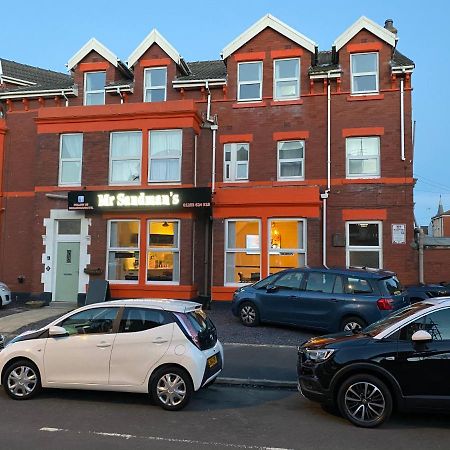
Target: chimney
[(389, 25)]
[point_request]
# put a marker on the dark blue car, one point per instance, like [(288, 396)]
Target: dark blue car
[(320, 298)]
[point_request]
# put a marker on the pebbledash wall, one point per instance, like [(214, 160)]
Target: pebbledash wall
[(279, 155)]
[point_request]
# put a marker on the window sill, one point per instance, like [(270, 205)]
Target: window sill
[(286, 102), (242, 104), (362, 180), (363, 97)]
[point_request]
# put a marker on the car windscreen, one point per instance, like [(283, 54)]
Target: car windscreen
[(377, 327), (268, 280), (393, 286)]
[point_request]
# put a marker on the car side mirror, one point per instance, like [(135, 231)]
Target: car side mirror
[(271, 288), (421, 336), (55, 331)]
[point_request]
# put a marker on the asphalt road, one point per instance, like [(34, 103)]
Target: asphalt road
[(217, 418)]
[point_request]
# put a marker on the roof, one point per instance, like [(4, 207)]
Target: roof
[(400, 60), (325, 63), (160, 303), (205, 70), (367, 24), (272, 22), (432, 241), (96, 46)]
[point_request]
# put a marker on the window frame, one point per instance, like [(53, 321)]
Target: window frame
[(111, 160), (302, 160), (86, 92), (163, 249), (354, 248), (114, 249), (241, 250), (276, 80), (61, 160), (260, 81), (347, 159), (234, 162), (145, 88), (353, 75)]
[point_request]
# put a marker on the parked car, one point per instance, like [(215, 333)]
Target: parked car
[(400, 361), (320, 298), (166, 348), (420, 292), (5, 294)]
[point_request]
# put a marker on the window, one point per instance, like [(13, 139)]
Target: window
[(357, 286), (364, 244), (321, 282), (94, 88), (163, 251), (155, 82), (165, 156), (91, 321), (141, 319), (242, 251), (69, 226), (123, 251), (289, 280), (287, 248), (250, 81), (436, 323), (364, 68), (235, 165), (363, 157), (70, 159), (125, 157), (291, 160), (286, 79)]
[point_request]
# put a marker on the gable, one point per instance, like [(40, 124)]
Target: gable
[(96, 46)]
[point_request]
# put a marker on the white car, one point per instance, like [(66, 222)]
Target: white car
[(167, 348), (5, 294)]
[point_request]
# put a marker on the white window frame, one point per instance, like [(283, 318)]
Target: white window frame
[(150, 158), (355, 248), (145, 89), (125, 249), (347, 159), (276, 80), (63, 160), (353, 75), (259, 98), (162, 250), (281, 178), (111, 160), (240, 250), (234, 163), (86, 92)]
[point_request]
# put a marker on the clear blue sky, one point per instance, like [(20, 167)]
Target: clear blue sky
[(48, 33)]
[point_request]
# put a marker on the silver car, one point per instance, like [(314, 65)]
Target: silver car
[(5, 294)]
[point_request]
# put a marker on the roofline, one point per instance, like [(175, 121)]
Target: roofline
[(403, 69), (98, 47), (369, 25), (39, 93), (336, 73), (268, 21), (199, 83), (121, 87), (154, 37), (17, 81)]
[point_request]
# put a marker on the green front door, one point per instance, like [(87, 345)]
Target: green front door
[(67, 271)]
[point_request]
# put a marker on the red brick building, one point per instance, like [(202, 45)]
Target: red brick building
[(175, 179)]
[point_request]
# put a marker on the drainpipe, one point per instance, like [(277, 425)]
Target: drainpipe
[(121, 95), (65, 97), (402, 118), (195, 160), (420, 248)]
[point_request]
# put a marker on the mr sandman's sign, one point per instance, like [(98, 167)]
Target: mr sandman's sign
[(147, 199)]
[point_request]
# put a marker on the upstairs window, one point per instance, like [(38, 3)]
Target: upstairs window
[(125, 157), (165, 156), (250, 81), (155, 83), (286, 79), (70, 159), (363, 157), (94, 88), (364, 68), (235, 165), (291, 160)]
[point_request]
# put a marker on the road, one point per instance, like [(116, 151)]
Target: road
[(220, 417)]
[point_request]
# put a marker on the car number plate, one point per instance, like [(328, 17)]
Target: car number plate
[(212, 361)]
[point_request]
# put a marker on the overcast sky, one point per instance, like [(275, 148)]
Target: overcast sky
[(48, 33)]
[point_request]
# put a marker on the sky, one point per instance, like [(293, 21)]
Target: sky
[(48, 33)]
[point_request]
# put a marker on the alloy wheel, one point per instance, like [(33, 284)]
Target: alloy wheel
[(364, 402), (171, 389), (22, 381), (352, 326), (248, 314)]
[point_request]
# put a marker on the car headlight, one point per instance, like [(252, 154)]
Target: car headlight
[(318, 355)]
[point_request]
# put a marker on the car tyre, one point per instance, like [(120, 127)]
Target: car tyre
[(352, 323), (365, 401), (171, 388), (249, 314), (22, 380)]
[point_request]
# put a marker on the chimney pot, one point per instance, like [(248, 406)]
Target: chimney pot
[(389, 25)]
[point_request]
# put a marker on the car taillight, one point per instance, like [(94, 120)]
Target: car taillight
[(384, 304)]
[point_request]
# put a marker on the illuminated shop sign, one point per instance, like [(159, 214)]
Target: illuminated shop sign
[(147, 199)]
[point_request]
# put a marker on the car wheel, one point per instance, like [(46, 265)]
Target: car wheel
[(353, 323), (365, 401), (22, 380), (249, 314), (171, 388)]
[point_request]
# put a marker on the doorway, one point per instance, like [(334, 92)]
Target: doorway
[(67, 271)]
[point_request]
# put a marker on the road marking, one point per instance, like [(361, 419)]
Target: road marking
[(162, 439)]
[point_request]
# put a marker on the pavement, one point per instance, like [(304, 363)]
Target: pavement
[(263, 356)]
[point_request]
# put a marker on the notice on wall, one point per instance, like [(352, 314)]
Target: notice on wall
[(399, 233)]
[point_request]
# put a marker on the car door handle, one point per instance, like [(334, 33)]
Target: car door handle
[(159, 341), (103, 345)]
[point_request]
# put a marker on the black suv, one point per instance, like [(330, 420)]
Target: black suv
[(400, 361)]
